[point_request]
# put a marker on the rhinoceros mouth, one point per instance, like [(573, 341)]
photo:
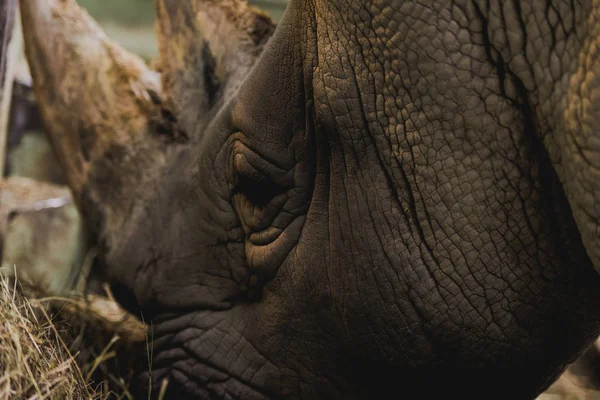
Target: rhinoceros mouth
[(192, 352)]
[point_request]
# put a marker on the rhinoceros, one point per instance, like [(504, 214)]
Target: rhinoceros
[(368, 199)]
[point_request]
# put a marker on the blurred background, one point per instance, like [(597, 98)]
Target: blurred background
[(131, 22)]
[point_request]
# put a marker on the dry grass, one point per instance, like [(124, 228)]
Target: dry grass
[(48, 350), (34, 361)]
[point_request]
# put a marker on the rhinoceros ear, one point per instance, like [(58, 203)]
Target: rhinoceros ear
[(207, 48)]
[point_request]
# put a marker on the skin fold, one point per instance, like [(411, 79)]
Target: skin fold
[(382, 196)]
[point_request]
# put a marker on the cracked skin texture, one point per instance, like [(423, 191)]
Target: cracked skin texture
[(438, 232), (400, 196)]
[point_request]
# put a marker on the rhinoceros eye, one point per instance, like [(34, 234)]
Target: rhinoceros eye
[(259, 183), (271, 203), (260, 189)]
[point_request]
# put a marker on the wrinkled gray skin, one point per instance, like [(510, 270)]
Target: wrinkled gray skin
[(390, 201)]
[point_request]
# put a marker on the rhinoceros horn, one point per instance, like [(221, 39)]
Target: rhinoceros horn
[(113, 121)]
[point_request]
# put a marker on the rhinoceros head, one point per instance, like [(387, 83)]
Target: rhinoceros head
[(371, 195)]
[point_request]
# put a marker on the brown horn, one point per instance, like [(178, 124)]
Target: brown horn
[(101, 109)]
